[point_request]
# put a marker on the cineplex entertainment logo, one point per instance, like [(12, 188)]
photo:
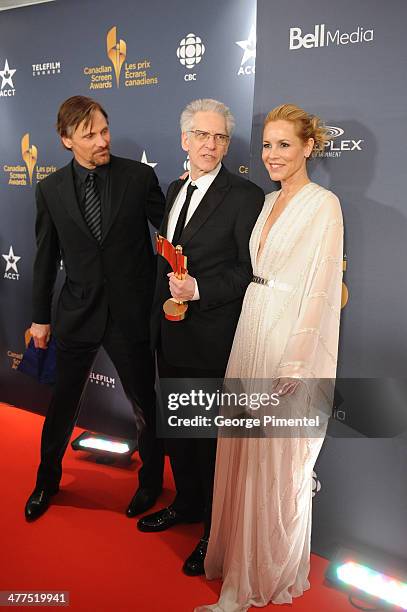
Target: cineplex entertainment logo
[(22, 175), (136, 73), (336, 145), (322, 37)]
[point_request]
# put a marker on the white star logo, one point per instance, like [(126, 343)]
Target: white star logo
[(249, 46), (144, 161), (6, 75), (11, 260)]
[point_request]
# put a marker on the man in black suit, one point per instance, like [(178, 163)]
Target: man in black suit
[(211, 215), (93, 214)]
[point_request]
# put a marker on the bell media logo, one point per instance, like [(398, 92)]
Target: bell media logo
[(190, 52), (249, 53), (136, 73), (20, 175), (322, 37), (336, 145), (7, 84), (11, 272)]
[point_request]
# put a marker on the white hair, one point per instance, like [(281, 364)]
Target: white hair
[(206, 105)]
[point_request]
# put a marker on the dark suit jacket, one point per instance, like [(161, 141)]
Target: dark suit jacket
[(216, 243), (117, 274)]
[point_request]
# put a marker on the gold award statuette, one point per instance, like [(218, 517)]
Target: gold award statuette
[(29, 155), (116, 51), (173, 309)]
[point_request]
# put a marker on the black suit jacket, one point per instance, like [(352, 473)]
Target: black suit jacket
[(216, 243), (117, 274)]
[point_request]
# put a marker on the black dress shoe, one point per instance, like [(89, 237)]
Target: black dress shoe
[(142, 500), (38, 503), (194, 565), (164, 519)]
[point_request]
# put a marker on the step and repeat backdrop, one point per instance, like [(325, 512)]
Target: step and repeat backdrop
[(346, 63), (144, 62)]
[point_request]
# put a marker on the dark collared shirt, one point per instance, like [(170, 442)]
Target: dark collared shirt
[(102, 174)]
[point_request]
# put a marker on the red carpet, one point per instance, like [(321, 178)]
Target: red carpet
[(84, 544)]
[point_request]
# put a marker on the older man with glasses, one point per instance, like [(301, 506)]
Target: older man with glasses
[(210, 214)]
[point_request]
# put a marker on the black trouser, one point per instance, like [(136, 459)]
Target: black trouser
[(135, 367), (192, 459)]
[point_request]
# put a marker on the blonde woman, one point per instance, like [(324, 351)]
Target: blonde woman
[(288, 331)]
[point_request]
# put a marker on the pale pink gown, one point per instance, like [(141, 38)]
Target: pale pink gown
[(261, 520)]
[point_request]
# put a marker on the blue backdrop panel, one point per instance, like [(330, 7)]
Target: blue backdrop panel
[(171, 54), (345, 62)]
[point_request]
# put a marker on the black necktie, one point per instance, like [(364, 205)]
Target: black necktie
[(183, 215), (93, 210)]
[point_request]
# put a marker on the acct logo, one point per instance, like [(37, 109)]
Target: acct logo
[(11, 260), (322, 37), (336, 145), (249, 53), (7, 85), (190, 52)]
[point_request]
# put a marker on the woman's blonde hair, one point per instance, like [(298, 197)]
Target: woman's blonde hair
[(306, 125)]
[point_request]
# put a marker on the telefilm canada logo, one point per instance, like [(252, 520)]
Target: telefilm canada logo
[(7, 84), (102, 380), (323, 37), (137, 73), (190, 52), (49, 68), (248, 61), (22, 175)]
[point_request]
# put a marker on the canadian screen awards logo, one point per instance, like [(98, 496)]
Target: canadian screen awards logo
[(11, 272), (7, 84), (190, 52), (322, 37), (22, 175), (345, 290), (136, 73), (247, 65)]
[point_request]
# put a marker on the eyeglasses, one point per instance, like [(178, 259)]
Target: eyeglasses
[(220, 139)]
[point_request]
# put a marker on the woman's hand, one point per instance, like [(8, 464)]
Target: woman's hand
[(286, 386)]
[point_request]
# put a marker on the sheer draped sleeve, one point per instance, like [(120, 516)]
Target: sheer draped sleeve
[(312, 347)]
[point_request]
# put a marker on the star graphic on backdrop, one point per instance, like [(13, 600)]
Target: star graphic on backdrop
[(11, 260), (144, 161), (6, 75), (249, 46)]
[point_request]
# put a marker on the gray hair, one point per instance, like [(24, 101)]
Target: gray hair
[(206, 105)]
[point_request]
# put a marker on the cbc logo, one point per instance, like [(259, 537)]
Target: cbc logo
[(316, 485), (190, 52)]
